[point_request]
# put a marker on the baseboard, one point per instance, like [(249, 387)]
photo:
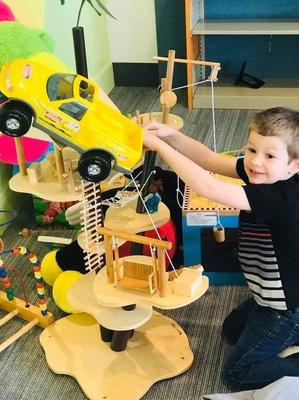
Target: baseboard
[(104, 77), (136, 74)]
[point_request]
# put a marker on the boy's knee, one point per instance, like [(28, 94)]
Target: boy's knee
[(233, 326)]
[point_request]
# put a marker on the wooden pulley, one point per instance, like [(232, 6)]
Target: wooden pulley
[(168, 99)]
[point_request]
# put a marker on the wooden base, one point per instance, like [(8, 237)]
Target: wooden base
[(158, 350)]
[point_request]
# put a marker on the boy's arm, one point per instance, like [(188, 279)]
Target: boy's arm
[(200, 180), (194, 150)]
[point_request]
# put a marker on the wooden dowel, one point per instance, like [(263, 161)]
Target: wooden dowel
[(168, 82), (138, 119), (162, 274), (109, 258), (59, 164), (170, 68), (18, 334), (20, 156), (8, 317), (107, 232), (185, 61)]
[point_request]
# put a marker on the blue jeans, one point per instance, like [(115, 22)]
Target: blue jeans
[(254, 361)]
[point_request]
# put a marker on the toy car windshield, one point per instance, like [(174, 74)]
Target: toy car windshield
[(62, 87)]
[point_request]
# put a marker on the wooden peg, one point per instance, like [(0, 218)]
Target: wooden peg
[(20, 156), (168, 82), (59, 164), (137, 114)]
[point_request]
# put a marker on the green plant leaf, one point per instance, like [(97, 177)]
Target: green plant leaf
[(98, 2), (102, 7), (79, 13)]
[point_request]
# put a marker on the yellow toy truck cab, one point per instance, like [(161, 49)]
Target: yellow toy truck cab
[(67, 107)]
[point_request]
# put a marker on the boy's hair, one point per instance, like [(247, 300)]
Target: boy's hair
[(282, 122)]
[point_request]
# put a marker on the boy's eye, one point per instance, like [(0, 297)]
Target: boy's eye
[(250, 149), (270, 156)]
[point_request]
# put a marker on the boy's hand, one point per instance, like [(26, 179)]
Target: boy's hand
[(150, 140), (161, 130)]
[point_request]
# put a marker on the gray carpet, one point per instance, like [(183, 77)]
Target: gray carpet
[(24, 374)]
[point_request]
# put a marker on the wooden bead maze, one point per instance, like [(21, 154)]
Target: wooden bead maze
[(18, 307)]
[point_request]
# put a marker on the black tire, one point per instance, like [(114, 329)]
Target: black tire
[(95, 165), (14, 121)]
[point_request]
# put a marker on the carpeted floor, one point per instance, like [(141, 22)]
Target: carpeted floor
[(24, 374)]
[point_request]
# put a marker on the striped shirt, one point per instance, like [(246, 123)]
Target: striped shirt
[(269, 241), (259, 264)]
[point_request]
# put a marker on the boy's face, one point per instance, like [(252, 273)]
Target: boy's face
[(266, 159)]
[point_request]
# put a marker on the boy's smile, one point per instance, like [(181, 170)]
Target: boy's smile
[(266, 159)]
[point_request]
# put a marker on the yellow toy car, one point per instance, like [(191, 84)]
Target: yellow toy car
[(67, 107)]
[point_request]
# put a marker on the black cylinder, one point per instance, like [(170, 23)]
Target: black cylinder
[(80, 51), (148, 166), (106, 334), (120, 340)]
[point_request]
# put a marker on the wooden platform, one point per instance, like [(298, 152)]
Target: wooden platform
[(158, 350), (109, 296), (128, 220), (81, 297), (195, 203)]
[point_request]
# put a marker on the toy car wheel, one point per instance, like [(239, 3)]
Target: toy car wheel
[(14, 121), (95, 165)]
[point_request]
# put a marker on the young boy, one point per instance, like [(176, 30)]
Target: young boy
[(268, 322)]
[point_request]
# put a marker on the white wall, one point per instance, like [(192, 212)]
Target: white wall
[(132, 38), (59, 21)]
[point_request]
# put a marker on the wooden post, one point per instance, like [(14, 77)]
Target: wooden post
[(59, 164), (168, 83), (162, 273), (20, 156), (109, 258)]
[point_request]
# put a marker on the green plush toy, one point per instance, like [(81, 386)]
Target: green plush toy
[(18, 41)]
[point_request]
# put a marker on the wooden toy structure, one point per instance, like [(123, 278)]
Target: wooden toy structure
[(145, 346), (118, 300)]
